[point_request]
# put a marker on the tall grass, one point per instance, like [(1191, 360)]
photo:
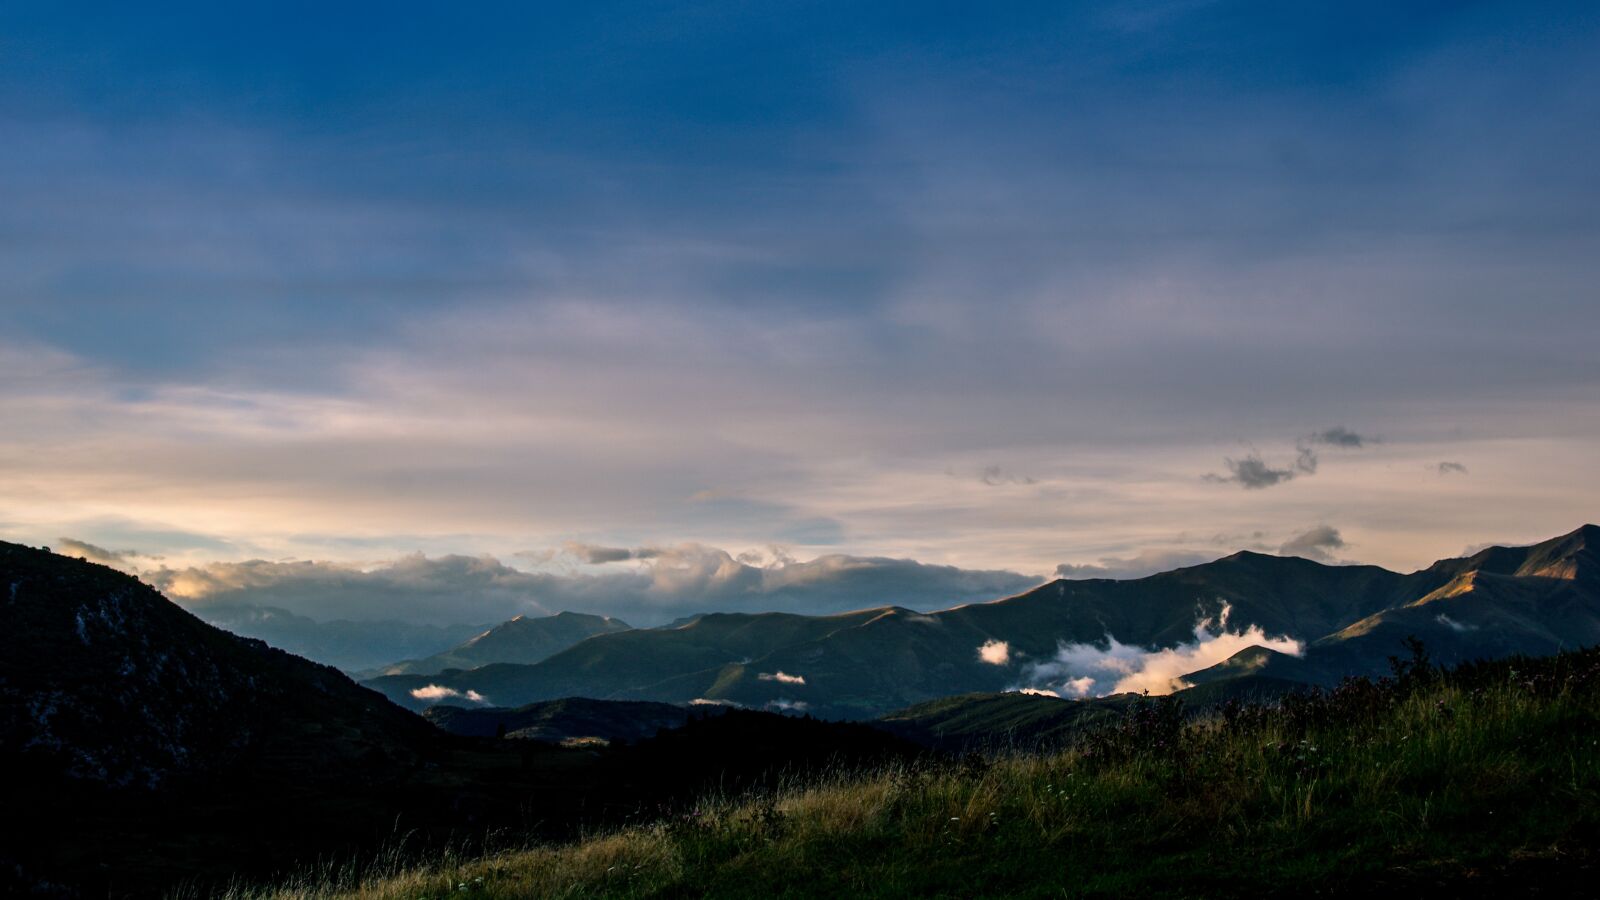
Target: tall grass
[(1425, 780)]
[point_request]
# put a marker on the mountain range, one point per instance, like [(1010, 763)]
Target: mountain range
[(1343, 620), (524, 639), (363, 646)]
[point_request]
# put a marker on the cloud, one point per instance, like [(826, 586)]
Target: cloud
[(1146, 562), (1314, 543), (784, 705), (702, 701), (127, 560), (1081, 670), (445, 589), (434, 693), (595, 554), (995, 476), (1340, 436), (1254, 473), (1453, 625), (995, 653), (916, 312), (1450, 468), (1038, 692), (671, 581), (1077, 687), (587, 554), (782, 677)]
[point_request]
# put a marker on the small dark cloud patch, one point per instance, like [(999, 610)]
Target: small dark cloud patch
[(1306, 461), (599, 554), (1253, 473), (1315, 543), (995, 476), (1340, 436), (595, 555), (1450, 468)]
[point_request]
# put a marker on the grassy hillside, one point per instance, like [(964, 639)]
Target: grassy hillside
[(1479, 782), (573, 718), (1001, 722)]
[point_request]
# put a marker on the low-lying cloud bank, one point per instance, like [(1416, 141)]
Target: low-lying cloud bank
[(1090, 670), (649, 586), (436, 693)]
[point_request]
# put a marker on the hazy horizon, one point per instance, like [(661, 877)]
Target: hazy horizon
[(657, 585)]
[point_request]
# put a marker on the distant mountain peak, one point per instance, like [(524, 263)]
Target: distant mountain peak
[(1572, 556), (521, 639), (1257, 558)]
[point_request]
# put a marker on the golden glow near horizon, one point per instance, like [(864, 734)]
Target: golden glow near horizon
[(192, 478)]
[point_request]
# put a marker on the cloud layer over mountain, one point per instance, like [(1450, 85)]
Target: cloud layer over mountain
[(664, 583), (1112, 667)]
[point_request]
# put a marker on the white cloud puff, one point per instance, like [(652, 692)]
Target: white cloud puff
[(995, 653), (1082, 670), (434, 693)]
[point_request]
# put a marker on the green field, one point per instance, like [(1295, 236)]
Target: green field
[(1483, 780)]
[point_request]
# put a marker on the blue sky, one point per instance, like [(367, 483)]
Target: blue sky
[(989, 287)]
